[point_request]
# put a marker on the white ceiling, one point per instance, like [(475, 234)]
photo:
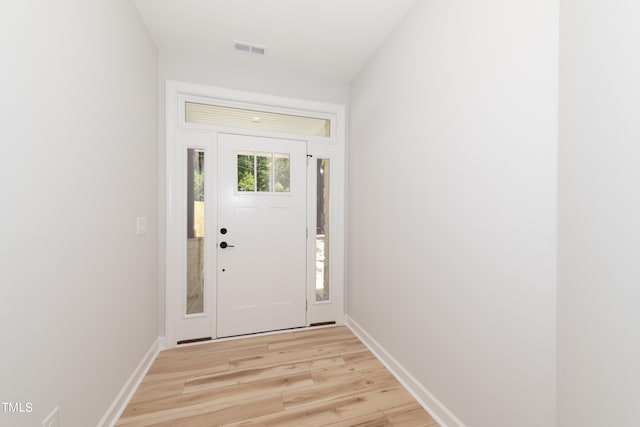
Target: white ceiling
[(325, 39)]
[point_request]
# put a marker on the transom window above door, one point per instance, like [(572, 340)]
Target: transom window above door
[(239, 118)]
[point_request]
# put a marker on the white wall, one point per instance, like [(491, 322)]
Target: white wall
[(212, 73), (189, 69), (599, 214), (78, 113), (453, 205)]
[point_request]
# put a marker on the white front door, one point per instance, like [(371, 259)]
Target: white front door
[(261, 234)]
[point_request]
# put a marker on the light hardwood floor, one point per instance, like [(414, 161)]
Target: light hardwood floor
[(319, 377)]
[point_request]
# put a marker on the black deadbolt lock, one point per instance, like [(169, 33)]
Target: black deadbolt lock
[(223, 231)]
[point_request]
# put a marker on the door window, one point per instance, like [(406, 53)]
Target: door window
[(263, 172)]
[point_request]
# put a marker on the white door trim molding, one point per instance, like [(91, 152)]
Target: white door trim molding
[(328, 147)]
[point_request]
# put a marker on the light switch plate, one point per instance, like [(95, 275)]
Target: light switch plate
[(141, 225)]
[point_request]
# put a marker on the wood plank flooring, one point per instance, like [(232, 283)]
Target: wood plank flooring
[(318, 377)]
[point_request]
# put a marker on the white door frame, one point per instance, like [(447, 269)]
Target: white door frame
[(332, 147)]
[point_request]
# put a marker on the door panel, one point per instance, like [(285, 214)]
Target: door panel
[(262, 272)]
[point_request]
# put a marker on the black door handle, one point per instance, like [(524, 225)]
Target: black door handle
[(225, 245)]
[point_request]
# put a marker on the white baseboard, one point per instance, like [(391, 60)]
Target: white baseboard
[(438, 411), (126, 393), (161, 343)]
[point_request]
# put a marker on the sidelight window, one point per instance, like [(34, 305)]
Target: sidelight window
[(322, 230), (195, 231)]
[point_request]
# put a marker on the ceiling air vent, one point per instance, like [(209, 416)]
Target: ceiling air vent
[(251, 48)]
